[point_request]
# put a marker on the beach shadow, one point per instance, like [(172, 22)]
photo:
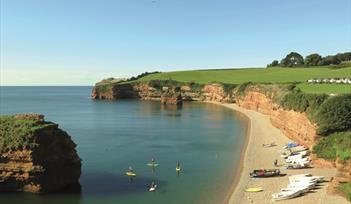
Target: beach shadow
[(101, 184)]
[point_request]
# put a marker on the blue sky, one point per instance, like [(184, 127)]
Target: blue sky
[(66, 42)]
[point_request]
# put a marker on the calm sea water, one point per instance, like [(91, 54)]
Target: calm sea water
[(112, 135)]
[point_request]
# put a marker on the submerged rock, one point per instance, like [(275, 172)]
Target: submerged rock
[(35, 155)]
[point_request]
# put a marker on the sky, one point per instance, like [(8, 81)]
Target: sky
[(80, 42)]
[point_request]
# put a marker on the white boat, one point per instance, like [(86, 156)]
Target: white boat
[(310, 179), (286, 194), (297, 159), (287, 154), (300, 188), (300, 175), (302, 184), (306, 176), (298, 149)]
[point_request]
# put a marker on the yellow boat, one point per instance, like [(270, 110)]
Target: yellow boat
[(130, 174), (258, 189), (178, 169)]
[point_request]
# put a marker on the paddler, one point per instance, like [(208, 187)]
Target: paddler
[(178, 165)]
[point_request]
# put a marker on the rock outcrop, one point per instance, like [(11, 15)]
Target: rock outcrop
[(36, 156)]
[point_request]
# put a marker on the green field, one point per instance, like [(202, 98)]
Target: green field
[(325, 88), (262, 75)]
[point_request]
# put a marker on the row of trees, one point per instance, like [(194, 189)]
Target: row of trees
[(294, 59)]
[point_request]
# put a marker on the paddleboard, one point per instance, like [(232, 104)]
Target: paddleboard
[(152, 189), (130, 174), (258, 189), (153, 165)]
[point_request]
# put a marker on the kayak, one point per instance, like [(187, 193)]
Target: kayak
[(177, 168), (258, 189), (130, 174), (152, 164), (153, 188)]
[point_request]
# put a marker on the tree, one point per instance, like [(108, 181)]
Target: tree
[(313, 59), (273, 64), (293, 59), (330, 60), (346, 56)]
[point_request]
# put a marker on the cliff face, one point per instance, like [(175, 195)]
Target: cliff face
[(46, 162), (142, 90), (113, 92), (293, 124)]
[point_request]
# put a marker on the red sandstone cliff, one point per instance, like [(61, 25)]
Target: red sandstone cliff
[(293, 124), (50, 166)]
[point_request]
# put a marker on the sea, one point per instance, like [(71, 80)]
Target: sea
[(206, 139)]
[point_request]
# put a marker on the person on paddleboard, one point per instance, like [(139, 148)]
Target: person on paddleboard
[(178, 165)]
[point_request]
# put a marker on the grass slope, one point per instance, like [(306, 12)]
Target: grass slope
[(262, 75)]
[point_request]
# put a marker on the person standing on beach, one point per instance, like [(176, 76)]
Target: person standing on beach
[(276, 162)]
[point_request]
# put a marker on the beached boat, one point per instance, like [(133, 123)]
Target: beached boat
[(311, 178), (298, 149), (303, 189), (290, 145), (286, 194), (300, 165), (265, 173), (297, 160)]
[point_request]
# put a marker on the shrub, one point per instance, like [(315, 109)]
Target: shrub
[(158, 84), (313, 59), (18, 133), (242, 88), (228, 88), (196, 86), (345, 188), (334, 115), (295, 100), (333, 146), (275, 63)]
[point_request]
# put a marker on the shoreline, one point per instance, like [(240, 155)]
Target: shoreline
[(254, 156)]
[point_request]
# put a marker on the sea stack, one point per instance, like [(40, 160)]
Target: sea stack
[(36, 156), (171, 96)]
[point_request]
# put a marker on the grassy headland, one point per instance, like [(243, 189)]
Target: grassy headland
[(274, 75)]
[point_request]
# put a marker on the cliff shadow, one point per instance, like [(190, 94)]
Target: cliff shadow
[(102, 184)]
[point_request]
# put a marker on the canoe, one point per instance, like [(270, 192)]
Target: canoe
[(152, 164), (177, 168), (130, 174), (258, 189)]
